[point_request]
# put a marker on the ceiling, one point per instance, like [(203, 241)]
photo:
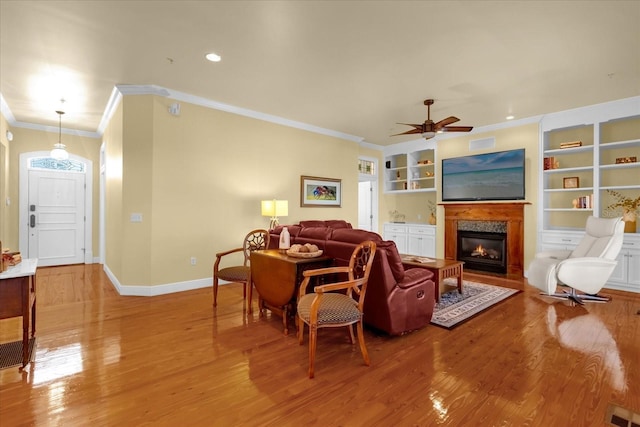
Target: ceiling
[(355, 67)]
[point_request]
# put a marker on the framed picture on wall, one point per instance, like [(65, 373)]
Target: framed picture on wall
[(318, 192)]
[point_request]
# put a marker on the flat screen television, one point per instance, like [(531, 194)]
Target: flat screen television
[(490, 176)]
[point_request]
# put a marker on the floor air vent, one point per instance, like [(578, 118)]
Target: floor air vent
[(620, 417)]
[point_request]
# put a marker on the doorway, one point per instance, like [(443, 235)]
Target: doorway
[(368, 194), (55, 209)]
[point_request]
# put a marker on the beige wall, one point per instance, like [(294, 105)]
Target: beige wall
[(198, 179), (114, 216), (4, 186)]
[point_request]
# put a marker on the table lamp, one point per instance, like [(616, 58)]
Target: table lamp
[(274, 208)]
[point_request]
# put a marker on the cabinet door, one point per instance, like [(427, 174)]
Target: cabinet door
[(414, 245), (397, 233), (422, 245), (619, 275), (400, 240), (633, 261)]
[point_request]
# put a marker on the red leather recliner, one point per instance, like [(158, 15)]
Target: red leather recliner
[(399, 298)]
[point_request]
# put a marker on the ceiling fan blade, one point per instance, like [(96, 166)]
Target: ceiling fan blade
[(457, 129), (444, 122), (416, 130), (415, 125)]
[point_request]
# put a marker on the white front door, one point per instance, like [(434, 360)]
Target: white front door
[(56, 211)]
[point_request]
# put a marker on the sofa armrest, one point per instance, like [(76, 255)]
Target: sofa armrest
[(414, 277), (558, 254)]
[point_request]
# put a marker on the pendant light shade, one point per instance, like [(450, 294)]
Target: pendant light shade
[(59, 151)]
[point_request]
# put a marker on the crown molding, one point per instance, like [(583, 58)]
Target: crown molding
[(6, 111)]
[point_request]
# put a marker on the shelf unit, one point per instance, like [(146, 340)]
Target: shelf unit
[(593, 164), (609, 133), (412, 171)]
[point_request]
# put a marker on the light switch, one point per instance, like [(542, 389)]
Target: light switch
[(136, 217)]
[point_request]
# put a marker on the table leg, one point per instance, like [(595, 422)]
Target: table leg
[(436, 288), (460, 280), (33, 308), (285, 314)]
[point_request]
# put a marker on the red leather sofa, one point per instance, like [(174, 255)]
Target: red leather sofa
[(399, 298)]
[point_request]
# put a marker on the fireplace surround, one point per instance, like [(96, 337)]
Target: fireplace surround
[(510, 215)]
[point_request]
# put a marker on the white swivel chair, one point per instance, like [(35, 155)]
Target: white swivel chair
[(587, 268)]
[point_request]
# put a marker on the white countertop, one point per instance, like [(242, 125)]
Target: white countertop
[(26, 268)]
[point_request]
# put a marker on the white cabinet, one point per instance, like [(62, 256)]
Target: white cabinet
[(412, 239), (421, 240), (626, 276), (397, 233)]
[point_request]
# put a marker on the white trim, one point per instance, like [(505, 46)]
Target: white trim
[(6, 111), (167, 288), (197, 100), (375, 191), (24, 202), (110, 109), (101, 206)]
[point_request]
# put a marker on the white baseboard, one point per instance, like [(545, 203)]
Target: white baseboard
[(167, 288)]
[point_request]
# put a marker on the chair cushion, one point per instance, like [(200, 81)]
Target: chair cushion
[(334, 308), (600, 239), (234, 274)]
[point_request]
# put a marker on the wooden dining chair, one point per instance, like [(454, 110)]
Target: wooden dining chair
[(254, 240), (333, 305)]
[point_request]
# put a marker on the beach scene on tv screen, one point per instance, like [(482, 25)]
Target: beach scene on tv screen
[(486, 176)]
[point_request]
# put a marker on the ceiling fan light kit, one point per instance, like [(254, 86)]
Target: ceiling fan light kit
[(428, 129)]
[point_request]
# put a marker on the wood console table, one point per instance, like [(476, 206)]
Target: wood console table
[(18, 298), (277, 278)]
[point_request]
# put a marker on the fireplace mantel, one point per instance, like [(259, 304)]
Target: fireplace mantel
[(511, 213)]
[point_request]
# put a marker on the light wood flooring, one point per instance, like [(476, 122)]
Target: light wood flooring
[(109, 360)]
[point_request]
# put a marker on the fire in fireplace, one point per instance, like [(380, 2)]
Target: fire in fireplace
[(483, 251)]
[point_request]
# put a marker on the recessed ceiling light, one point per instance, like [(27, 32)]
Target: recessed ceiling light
[(510, 117), (213, 57)]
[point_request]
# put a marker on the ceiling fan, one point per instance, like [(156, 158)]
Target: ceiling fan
[(428, 129)]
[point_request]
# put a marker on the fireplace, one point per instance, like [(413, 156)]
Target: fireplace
[(505, 218), (483, 251)]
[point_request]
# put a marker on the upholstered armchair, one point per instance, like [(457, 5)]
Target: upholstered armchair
[(586, 269)]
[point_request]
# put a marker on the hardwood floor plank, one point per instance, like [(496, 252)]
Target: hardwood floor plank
[(106, 359)]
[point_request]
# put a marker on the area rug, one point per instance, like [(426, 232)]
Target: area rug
[(455, 309), (11, 353)]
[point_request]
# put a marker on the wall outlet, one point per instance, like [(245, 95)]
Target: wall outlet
[(193, 260), (419, 216)]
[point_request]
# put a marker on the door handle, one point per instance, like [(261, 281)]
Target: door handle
[(32, 221)]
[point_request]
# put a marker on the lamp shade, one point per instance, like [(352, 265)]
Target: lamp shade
[(275, 208), (59, 152)]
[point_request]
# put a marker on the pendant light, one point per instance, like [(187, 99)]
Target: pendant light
[(59, 151)]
